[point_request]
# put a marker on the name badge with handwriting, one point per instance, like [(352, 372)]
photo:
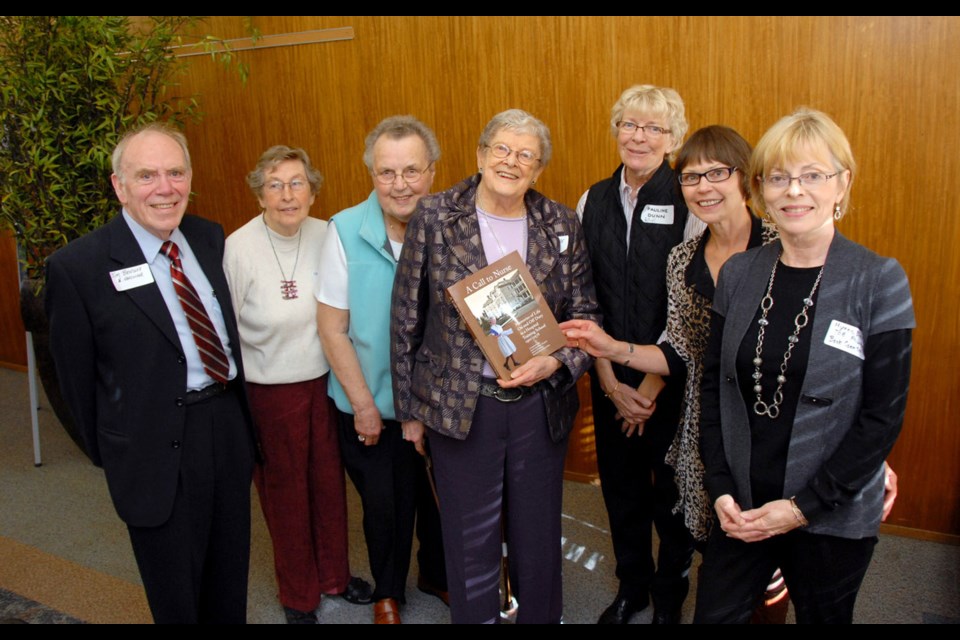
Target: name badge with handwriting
[(131, 277), (657, 214), (845, 337)]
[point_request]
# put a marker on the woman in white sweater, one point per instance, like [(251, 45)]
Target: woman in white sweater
[(271, 264)]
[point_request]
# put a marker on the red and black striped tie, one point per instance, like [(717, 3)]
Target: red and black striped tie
[(212, 355)]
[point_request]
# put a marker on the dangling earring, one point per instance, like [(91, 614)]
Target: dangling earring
[(837, 213), (533, 182)]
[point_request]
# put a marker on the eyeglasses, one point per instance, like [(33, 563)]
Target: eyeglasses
[(410, 175), (629, 128), (812, 179), (714, 175), (296, 185), (524, 156)]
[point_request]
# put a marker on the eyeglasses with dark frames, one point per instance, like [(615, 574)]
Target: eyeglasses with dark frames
[(719, 174)]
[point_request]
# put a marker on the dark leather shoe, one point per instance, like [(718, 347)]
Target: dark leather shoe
[(431, 589), (300, 617), (358, 591), (386, 611), (665, 616), (622, 609)]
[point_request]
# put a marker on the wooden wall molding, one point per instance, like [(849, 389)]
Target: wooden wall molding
[(313, 36)]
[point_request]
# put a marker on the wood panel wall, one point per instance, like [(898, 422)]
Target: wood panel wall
[(892, 83)]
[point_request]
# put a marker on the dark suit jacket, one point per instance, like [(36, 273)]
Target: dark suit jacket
[(121, 365), (437, 365)]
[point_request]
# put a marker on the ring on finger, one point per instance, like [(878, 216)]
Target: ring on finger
[(361, 437)]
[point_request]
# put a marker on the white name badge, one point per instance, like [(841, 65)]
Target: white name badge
[(845, 337), (657, 214), (131, 277), (564, 242)]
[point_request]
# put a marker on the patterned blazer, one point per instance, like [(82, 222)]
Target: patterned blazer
[(437, 365)]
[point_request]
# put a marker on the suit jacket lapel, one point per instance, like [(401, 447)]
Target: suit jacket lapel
[(125, 252)]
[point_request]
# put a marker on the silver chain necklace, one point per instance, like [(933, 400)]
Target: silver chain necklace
[(288, 288), (761, 408)]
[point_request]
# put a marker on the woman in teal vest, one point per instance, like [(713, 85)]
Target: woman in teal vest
[(358, 262)]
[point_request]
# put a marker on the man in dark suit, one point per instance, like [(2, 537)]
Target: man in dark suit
[(144, 337)]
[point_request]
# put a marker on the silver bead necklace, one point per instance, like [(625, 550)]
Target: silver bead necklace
[(772, 409)]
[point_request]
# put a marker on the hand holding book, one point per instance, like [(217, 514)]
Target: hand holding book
[(531, 372)]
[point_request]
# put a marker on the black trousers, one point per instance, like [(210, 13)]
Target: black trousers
[(194, 566), (823, 574), (391, 479), (639, 492)]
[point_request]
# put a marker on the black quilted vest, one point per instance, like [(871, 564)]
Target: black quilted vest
[(631, 287)]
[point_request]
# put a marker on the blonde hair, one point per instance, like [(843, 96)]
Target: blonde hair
[(661, 101), (803, 129)]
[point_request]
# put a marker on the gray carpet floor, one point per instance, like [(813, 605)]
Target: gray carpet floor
[(65, 556)]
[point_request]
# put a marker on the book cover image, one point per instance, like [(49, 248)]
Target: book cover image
[(505, 311)]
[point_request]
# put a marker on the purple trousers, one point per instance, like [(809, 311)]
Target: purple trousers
[(508, 465)]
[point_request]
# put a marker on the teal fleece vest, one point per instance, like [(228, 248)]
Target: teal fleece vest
[(370, 270)]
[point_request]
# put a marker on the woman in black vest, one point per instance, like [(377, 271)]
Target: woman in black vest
[(631, 221)]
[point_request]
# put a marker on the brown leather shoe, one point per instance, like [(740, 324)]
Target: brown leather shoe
[(386, 611), (431, 589)]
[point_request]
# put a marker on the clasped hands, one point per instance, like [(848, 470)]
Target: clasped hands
[(772, 519), (634, 406)]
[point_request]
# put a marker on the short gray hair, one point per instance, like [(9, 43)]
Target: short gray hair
[(273, 157), (153, 127), (397, 128), (661, 101), (519, 121)]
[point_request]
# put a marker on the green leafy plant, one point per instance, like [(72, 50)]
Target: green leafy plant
[(69, 87)]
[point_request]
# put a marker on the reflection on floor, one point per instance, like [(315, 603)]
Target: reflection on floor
[(65, 556)]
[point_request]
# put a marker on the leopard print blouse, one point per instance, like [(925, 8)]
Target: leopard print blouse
[(688, 330)]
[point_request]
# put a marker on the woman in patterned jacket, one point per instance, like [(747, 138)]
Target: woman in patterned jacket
[(498, 446)]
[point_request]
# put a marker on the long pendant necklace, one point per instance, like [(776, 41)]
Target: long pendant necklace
[(772, 409), (288, 287)]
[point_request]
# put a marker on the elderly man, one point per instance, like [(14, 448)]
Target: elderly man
[(144, 338), (357, 266)]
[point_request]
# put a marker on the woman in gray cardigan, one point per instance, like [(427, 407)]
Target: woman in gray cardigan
[(804, 390)]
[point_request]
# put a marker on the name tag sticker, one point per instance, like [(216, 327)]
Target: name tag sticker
[(657, 214), (845, 337), (131, 277), (564, 242)]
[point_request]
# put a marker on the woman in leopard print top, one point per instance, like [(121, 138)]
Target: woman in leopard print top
[(705, 165)]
